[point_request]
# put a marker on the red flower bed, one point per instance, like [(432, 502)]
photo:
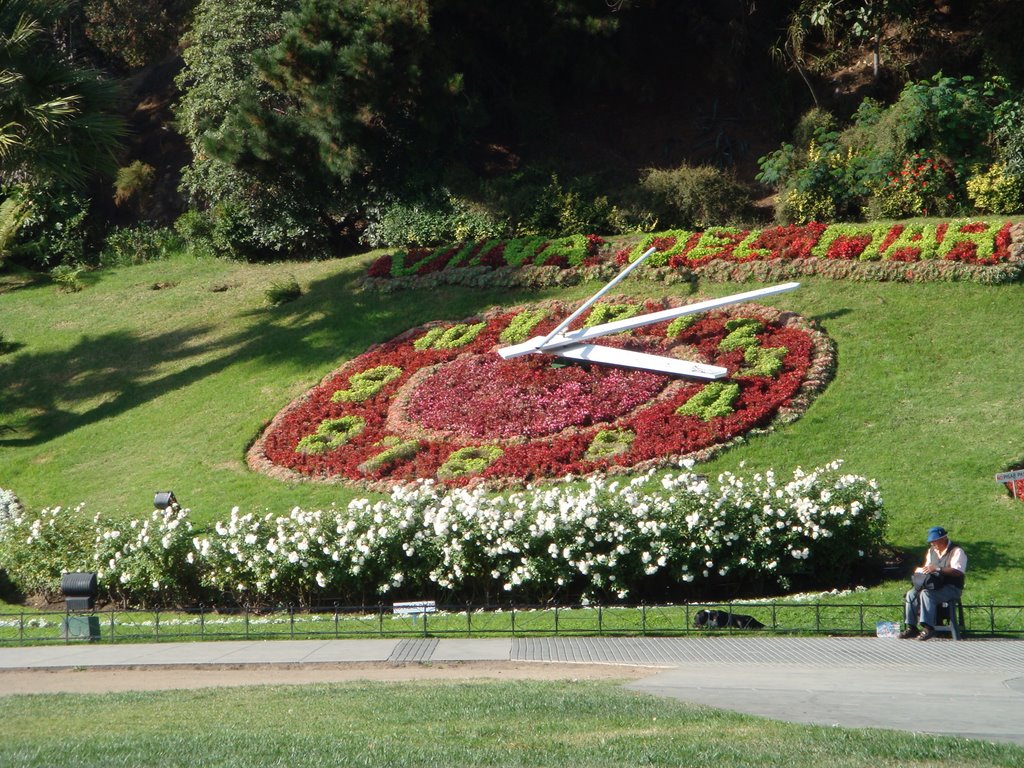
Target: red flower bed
[(542, 416)]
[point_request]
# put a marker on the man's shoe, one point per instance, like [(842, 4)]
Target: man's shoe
[(928, 634), (908, 633)]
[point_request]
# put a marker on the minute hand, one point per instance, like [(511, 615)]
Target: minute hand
[(626, 324)]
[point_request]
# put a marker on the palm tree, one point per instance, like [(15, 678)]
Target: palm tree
[(58, 119)]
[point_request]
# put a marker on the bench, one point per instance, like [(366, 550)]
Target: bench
[(414, 608)]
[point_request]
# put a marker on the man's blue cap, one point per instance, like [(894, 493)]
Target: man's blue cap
[(936, 533)]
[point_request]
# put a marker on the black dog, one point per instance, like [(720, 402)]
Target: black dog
[(723, 619)]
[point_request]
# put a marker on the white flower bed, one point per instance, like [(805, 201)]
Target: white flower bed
[(602, 537)]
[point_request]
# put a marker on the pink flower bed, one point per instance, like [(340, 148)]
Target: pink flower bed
[(544, 419)]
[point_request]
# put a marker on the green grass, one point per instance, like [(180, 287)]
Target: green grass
[(121, 390), (440, 724)]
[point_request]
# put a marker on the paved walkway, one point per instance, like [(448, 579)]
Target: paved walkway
[(973, 688)]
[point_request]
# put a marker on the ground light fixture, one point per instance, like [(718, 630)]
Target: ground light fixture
[(164, 499)]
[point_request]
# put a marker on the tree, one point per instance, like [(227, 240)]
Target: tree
[(858, 20), (137, 32), (242, 212), (58, 119), (351, 104)]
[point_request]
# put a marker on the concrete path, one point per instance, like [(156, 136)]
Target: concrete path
[(973, 688)]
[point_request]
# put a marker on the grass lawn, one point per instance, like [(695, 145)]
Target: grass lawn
[(124, 389), (440, 724)]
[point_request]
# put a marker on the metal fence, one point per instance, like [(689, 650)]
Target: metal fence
[(26, 627)]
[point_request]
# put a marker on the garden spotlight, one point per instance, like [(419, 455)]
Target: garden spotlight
[(164, 499)]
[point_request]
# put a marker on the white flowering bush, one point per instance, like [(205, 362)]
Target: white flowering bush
[(600, 538), (36, 550), (252, 557), (147, 561), (10, 508)]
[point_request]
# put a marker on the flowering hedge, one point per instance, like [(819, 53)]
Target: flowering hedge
[(439, 402), (950, 250), (599, 538)]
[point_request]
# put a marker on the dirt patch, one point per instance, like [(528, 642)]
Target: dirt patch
[(115, 679)]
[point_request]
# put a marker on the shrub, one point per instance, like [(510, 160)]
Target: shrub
[(923, 186), (996, 190), (432, 219), (283, 292), (67, 277), (533, 202), (146, 562), (54, 228), (36, 550), (689, 196), (137, 245)]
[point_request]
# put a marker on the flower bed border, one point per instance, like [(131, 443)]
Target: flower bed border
[(859, 252)]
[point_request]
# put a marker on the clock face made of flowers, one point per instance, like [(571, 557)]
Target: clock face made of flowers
[(439, 402)]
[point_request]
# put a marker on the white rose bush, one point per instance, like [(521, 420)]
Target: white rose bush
[(677, 536)]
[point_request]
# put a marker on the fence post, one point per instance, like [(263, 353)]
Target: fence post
[(291, 620), (21, 627), (112, 626), (513, 621), (600, 628), (335, 619), (817, 617), (643, 619), (861, 611), (556, 619), (246, 621), (202, 623), (156, 624), (469, 621), (775, 618), (992, 618)]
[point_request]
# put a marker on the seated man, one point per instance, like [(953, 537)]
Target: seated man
[(922, 605)]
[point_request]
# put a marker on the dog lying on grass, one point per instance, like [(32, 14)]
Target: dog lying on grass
[(724, 619)]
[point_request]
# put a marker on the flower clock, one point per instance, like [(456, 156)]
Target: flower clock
[(439, 402)]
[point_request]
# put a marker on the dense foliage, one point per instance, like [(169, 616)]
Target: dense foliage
[(58, 127), (918, 157), (315, 125)]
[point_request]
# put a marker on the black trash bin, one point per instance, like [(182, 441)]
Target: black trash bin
[(79, 590)]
